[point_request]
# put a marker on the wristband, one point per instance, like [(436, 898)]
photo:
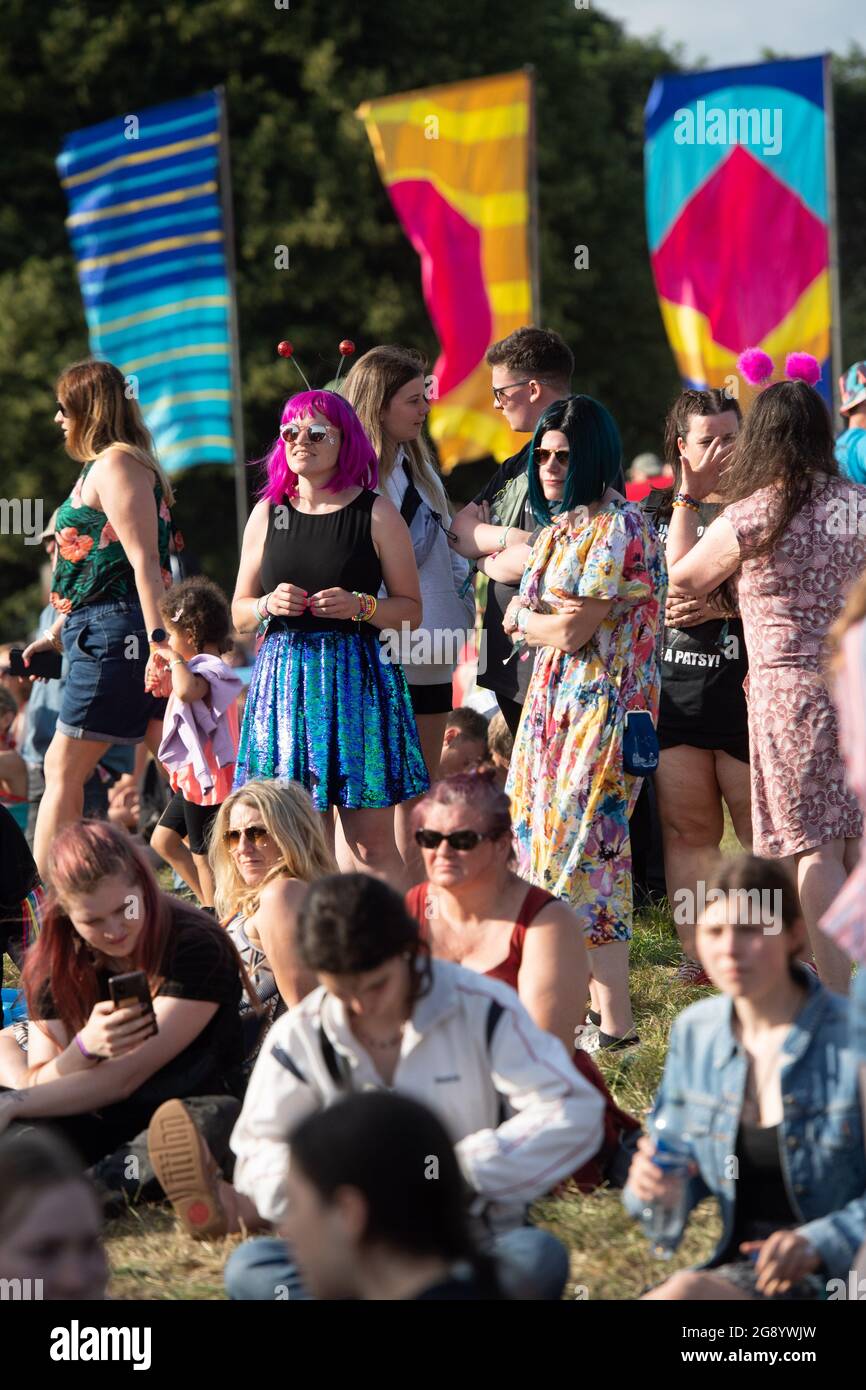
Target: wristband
[(53, 639), (368, 607), (683, 499), (178, 661), (91, 1056)]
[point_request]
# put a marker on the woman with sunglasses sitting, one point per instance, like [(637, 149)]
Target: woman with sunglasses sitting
[(323, 708), (475, 910), (590, 605), (268, 846)]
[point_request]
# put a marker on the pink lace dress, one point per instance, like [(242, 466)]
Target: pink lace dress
[(788, 600)]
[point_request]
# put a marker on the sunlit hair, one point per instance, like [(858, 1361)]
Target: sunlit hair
[(370, 387), (82, 855), (487, 806), (356, 462), (595, 454), (295, 827), (31, 1164), (102, 416), (687, 405), (786, 439)]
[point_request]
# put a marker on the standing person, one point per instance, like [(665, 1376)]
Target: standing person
[(850, 447), (386, 387), (531, 369), (111, 567), (591, 602), (323, 709), (781, 534), (200, 732), (762, 1074), (703, 725)]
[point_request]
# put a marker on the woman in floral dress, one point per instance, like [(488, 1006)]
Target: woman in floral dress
[(591, 601), (111, 565), (793, 535)]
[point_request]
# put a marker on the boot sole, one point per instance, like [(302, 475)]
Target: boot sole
[(180, 1164)]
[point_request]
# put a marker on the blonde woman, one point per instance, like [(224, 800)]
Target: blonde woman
[(268, 845), (387, 389), (111, 564)]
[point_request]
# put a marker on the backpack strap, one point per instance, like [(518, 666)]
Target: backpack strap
[(412, 498), (494, 1013), (336, 1071)]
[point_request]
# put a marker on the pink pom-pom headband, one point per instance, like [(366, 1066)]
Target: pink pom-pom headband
[(757, 367)]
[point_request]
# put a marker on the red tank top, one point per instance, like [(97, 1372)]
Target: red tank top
[(616, 1121)]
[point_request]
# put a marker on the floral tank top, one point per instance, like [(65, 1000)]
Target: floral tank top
[(90, 564)]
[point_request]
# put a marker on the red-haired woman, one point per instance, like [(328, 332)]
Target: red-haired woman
[(99, 1073), (476, 911)]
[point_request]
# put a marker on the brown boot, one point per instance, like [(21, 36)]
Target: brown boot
[(187, 1170)]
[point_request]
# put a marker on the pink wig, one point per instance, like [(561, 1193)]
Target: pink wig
[(357, 465)]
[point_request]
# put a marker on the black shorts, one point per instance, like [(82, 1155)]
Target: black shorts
[(432, 699), (189, 821)]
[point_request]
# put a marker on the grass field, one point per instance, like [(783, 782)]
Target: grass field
[(151, 1258)]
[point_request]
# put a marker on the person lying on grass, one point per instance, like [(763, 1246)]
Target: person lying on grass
[(760, 1096)]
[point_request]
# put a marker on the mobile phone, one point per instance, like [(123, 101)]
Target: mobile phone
[(49, 665), (132, 988)]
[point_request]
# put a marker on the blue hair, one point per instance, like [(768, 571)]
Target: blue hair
[(594, 454)]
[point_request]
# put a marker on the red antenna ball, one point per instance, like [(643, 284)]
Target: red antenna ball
[(285, 348), (347, 347)]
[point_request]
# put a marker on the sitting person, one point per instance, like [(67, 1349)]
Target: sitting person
[(465, 742), (13, 769), (268, 845), (200, 730), (475, 911), (387, 1017), (50, 1222), (98, 1072), (500, 743), (377, 1205), (764, 1073)]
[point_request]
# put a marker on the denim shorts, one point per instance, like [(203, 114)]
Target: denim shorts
[(104, 698), (857, 1014)]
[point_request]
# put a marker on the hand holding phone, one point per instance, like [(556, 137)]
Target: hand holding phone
[(130, 989), (47, 665)]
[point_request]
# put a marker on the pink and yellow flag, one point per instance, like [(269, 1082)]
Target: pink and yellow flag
[(455, 162)]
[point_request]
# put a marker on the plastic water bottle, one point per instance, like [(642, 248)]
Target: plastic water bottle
[(664, 1220)]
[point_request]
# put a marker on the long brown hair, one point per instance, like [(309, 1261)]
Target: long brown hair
[(370, 387), (102, 416), (786, 441)]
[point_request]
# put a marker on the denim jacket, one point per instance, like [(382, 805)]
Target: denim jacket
[(821, 1134)]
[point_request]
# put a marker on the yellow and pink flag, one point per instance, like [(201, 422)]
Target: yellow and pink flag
[(456, 163)]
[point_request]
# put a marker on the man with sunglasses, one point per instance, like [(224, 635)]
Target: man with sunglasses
[(531, 369)]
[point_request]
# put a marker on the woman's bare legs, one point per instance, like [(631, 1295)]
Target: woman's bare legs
[(13, 1062), (608, 987), (690, 809), (821, 875), (68, 764), (170, 847), (431, 732), (370, 840)]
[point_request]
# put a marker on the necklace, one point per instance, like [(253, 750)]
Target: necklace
[(389, 1042)]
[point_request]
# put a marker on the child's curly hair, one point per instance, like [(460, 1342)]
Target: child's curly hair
[(200, 607)]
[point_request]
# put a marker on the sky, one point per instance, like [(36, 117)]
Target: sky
[(730, 32)]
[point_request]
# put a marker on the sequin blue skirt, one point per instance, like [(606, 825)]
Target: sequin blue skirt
[(324, 710)]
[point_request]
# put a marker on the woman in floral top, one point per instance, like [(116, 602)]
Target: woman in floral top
[(591, 601), (111, 566)]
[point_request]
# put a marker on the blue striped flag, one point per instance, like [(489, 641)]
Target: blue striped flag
[(146, 227)]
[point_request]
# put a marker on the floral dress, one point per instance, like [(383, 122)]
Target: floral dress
[(569, 792)]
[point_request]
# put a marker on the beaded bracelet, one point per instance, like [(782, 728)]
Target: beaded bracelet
[(683, 499), (368, 607)]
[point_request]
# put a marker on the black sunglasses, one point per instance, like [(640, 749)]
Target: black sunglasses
[(461, 840), (256, 834)]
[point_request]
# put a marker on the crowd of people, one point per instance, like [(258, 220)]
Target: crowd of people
[(331, 964)]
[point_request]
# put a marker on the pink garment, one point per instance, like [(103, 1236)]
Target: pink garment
[(200, 737), (788, 601), (845, 919)]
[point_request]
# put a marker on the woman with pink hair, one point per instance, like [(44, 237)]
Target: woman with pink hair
[(325, 707)]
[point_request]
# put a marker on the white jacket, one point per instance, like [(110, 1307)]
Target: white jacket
[(553, 1121)]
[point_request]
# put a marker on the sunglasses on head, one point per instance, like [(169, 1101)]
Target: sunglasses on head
[(561, 455), (317, 434), (461, 840), (256, 834)]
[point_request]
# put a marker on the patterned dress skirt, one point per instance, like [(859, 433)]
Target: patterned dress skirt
[(325, 710)]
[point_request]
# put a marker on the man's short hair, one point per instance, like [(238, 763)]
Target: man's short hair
[(470, 722), (538, 351)]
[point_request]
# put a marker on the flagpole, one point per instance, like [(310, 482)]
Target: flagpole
[(833, 233), (241, 505), (532, 182)]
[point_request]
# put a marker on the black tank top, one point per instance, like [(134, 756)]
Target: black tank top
[(332, 551)]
